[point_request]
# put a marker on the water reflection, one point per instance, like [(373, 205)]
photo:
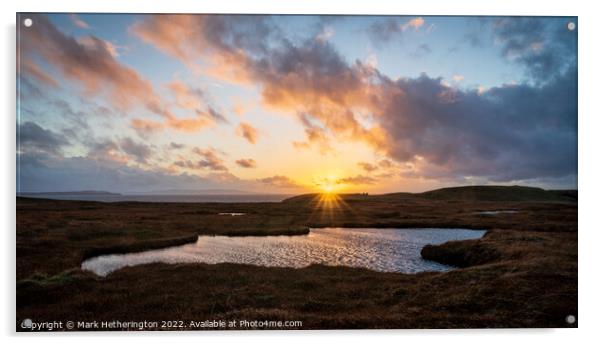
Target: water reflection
[(496, 212), (387, 250)]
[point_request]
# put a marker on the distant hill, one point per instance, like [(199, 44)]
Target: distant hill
[(196, 192), (499, 193), (312, 196), (78, 192), (466, 193)]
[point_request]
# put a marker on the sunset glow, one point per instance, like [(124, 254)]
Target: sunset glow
[(294, 104)]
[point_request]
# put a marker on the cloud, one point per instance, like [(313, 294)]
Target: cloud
[(210, 159), (31, 68), (457, 78), (186, 97), (106, 151), (77, 21), (384, 30), (176, 146), (543, 46), (221, 39), (91, 62), (505, 133), (325, 87), (33, 138), (423, 127), (92, 42), (312, 78), (415, 23), (315, 135), (194, 99), (238, 108), (39, 173), (139, 151), (326, 33), (145, 127), (367, 166), (429, 128), (248, 132), (43, 172), (246, 163), (385, 163), (76, 118), (357, 180), (421, 51), (279, 181), (372, 61), (188, 124)]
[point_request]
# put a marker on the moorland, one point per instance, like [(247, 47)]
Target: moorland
[(522, 273)]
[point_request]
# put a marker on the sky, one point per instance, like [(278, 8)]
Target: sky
[(291, 104)]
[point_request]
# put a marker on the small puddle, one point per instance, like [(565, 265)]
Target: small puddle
[(496, 212), (231, 214), (385, 250)]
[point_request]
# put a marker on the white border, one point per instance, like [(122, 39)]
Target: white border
[(590, 190)]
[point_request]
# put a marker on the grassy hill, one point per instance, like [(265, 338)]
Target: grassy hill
[(465, 193), (500, 193)]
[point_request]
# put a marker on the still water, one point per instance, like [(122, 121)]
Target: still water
[(386, 250)]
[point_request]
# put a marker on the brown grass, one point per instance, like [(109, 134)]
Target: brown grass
[(523, 273)]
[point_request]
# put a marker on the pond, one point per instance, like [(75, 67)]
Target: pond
[(496, 212), (385, 250)]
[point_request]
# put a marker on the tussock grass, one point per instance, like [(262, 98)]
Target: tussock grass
[(522, 273)]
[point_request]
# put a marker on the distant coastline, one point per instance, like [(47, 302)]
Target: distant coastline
[(473, 193), (186, 198), (80, 192)]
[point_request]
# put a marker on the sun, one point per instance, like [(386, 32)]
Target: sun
[(327, 184), (328, 188)]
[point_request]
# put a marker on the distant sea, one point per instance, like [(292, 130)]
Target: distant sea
[(226, 198)]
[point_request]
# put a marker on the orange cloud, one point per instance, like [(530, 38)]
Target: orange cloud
[(248, 132), (188, 125), (210, 160), (186, 97), (146, 127), (77, 21), (408, 117), (238, 109), (32, 69), (315, 136), (327, 89), (367, 166), (191, 38), (357, 180), (246, 163), (90, 62), (385, 163), (415, 24), (280, 181), (167, 33), (193, 99)]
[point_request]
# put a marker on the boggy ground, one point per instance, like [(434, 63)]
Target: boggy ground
[(522, 273)]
